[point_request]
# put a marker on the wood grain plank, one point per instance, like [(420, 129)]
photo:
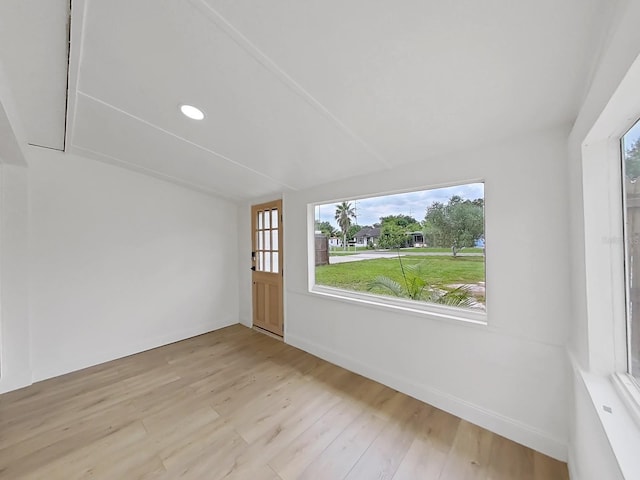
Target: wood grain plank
[(430, 448), (236, 404)]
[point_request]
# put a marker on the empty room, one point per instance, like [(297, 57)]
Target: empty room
[(319, 240)]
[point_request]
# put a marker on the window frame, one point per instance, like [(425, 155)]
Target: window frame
[(400, 305), (606, 285), (626, 383)]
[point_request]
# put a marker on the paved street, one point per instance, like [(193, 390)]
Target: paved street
[(373, 254)]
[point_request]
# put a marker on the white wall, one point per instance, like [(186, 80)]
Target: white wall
[(510, 376), (15, 361), (120, 262), (245, 307)]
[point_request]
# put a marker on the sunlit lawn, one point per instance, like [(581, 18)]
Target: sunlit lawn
[(425, 250), (440, 250), (440, 271)]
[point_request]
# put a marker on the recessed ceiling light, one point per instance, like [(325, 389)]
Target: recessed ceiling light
[(192, 112)]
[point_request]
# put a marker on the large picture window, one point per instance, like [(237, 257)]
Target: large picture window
[(425, 247), (631, 209)]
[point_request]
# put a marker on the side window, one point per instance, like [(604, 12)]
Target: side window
[(631, 211), (425, 246)]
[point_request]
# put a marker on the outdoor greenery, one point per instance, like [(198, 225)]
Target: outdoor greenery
[(351, 232), (432, 277), (429, 250), (394, 231), (344, 214), (326, 228), (415, 286), (632, 161), (441, 271), (455, 224)]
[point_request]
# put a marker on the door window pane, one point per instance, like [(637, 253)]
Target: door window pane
[(267, 261)]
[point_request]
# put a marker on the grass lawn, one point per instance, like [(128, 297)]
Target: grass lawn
[(440, 250), (443, 270), (348, 251)]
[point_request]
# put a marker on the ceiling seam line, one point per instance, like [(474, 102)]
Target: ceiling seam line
[(160, 129), (262, 58), (155, 173), (76, 52), (44, 146), (66, 100)]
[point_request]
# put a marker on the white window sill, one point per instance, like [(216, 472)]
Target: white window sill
[(630, 394), (617, 421), (437, 312)]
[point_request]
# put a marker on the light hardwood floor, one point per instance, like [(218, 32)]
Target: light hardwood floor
[(237, 404)]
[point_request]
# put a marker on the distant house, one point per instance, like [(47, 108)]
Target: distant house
[(335, 242), (417, 239), (366, 235)]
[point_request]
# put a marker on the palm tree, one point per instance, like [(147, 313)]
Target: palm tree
[(344, 214)]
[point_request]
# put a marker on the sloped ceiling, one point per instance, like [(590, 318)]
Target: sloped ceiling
[(34, 51), (297, 94)]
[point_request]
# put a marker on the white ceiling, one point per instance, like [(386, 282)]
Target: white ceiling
[(302, 93)]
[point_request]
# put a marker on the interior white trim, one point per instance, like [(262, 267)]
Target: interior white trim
[(629, 393), (621, 431), (493, 421), (434, 311), (571, 465)]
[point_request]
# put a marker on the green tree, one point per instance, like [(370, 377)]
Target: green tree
[(632, 161), (404, 221), (394, 230), (344, 214), (456, 224), (392, 236), (351, 232), (326, 228)]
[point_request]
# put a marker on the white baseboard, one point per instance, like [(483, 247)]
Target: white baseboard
[(120, 351), (507, 427)]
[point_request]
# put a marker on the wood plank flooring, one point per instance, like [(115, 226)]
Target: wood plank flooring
[(236, 404)]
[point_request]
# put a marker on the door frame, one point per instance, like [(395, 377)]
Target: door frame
[(267, 278)]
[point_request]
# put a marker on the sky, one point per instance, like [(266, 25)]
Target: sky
[(369, 210), (632, 135)]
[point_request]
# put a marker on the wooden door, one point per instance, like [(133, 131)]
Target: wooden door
[(266, 228)]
